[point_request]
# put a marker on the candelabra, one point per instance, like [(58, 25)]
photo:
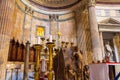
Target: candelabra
[(49, 49), (50, 46), (38, 48)]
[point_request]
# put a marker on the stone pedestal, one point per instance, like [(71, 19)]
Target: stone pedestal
[(97, 51), (6, 24)]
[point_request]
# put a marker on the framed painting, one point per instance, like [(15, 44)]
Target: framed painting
[(40, 31)]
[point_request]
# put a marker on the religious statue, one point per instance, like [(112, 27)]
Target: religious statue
[(68, 64), (59, 65), (78, 63), (69, 73), (86, 72), (109, 51), (44, 64)]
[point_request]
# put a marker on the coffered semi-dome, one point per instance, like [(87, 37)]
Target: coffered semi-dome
[(55, 4)]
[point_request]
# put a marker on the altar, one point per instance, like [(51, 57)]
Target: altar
[(104, 71)]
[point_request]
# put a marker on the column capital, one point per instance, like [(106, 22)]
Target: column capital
[(53, 17), (85, 11), (91, 3), (29, 10)]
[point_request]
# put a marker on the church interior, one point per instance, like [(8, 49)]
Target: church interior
[(59, 39)]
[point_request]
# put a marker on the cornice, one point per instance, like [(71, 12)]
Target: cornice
[(41, 19)]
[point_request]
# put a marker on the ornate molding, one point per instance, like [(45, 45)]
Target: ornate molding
[(54, 17), (30, 11), (91, 3)]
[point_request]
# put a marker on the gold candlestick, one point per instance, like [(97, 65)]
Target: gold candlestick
[(43, 39), (38, 48), (72, 44), (62, 44), (59, 34), (53, 41), (48, 40), (50, 46), (66, 44), (43, 44)]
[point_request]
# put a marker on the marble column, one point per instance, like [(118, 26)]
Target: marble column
[(6, 25), (24, 21), (96, 46), (26, 62), (54, 27), (50, 20), (102, 44), (116, 47), (58, 31), (31, 13)]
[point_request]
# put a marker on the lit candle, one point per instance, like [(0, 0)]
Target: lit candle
[(39, 40), (50, 38), (66, 39), (72, 40)]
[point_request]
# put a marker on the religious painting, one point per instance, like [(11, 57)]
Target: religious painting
[(15, 51), (12, 43), (40, 31), (20, 53), (32, 55)]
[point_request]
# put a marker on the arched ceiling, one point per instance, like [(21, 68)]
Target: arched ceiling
[(108, 1), (55, 4), (61, 6)]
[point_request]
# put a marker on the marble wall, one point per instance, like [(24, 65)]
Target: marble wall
[(6, 27)]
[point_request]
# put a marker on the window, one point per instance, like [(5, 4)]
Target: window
[(117, 12), (107, 12)]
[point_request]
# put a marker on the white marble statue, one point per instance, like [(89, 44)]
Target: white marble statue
[(109, 51)]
